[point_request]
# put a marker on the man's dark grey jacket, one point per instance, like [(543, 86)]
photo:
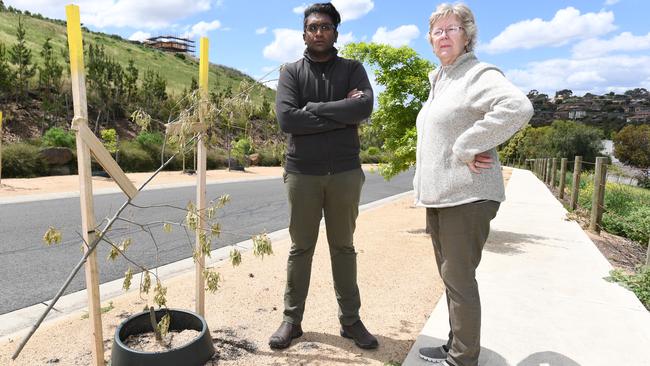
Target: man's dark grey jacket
[(311, 106)]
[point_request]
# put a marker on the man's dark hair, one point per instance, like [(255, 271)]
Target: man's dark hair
[(323, 8)]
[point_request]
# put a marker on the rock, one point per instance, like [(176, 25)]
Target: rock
[(56, 155), (254, 159)]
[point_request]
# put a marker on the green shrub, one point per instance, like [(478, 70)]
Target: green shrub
[(150, 139), (22, 160), (58, 137), (372, 155), (639, 283), (216, 159), (271, 154), (133, 158), (634, 225)]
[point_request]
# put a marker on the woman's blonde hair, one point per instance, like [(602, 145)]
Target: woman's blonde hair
[(463, 13)]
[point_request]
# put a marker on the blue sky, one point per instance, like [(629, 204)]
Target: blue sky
[(587, 46)]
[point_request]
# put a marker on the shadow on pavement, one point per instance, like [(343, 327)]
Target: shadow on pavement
[(547, 358)]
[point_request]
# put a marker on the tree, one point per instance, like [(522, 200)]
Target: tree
[(404, 75), (6, 76), (131, 81), (21, 57), (567, 139), (632, 146), (562, 139), (49, 80), (153, 92), (638, 93), (563, 94)]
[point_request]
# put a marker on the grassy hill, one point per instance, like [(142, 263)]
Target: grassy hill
[(177, 71)]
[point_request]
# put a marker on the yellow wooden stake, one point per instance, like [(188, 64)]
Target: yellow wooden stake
[(88, 224), (201, 158)]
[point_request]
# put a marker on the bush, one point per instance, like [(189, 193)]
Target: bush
[(372, 155), (217, 158), (58, 137), (150, 139), (22, 160), (133, 158), (639, 283), (271, 154)]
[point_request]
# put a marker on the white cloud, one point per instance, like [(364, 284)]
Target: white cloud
[(140, 36), (595, 75), (567, 25), (119, 13), (397, 37), (349, 9), (353, 9), (300, 9), (625, 41), (345, 39), (261, 30), (287, 46), (202, 28)]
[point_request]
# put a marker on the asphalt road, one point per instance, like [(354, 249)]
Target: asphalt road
[(31, 272)]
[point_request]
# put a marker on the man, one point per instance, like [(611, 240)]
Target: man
[(320, 101)]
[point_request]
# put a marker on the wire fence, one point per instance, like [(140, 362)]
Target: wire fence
[(582, 186)]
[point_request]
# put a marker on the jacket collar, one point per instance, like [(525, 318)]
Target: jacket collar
[(308, 57), (460, 60)]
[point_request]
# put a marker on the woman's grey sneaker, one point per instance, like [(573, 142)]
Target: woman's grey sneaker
[(434, 354)]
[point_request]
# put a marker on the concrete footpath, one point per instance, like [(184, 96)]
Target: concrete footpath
[(544, 294)]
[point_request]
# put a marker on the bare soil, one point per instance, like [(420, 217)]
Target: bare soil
[(146, 342), (622, 253)]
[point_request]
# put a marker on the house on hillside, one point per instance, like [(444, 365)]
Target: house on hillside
[(171, 44)]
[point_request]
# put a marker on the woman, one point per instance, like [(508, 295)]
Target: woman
[(471, 109)]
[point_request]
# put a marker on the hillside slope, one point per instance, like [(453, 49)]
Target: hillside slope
[(177, 71)]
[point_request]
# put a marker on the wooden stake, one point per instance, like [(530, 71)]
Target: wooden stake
[(598, 196), (575, 189), (200, 177), (88, 225), (553, 170), (563, 164)]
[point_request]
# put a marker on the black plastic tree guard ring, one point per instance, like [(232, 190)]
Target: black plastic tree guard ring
[(197, 352)]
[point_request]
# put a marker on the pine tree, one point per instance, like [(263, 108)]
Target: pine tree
[(131, 81), (6, 76), (49, 80), (21, 57)]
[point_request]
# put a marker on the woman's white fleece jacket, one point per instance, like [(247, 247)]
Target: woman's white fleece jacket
[(471, 108)]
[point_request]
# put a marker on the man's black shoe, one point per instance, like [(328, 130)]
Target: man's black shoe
[(358, 332), (283, 336)]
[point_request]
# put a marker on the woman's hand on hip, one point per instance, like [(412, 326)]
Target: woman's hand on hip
[(481, 161)]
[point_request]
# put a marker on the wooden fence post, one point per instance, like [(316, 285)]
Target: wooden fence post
[(647, 254), (204, 63), (562, 182), (78, 79), (553, 169), (548, 171), (597, 200), (575, 188)]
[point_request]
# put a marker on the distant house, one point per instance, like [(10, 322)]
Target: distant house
[(639, 117), (171, 44)]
